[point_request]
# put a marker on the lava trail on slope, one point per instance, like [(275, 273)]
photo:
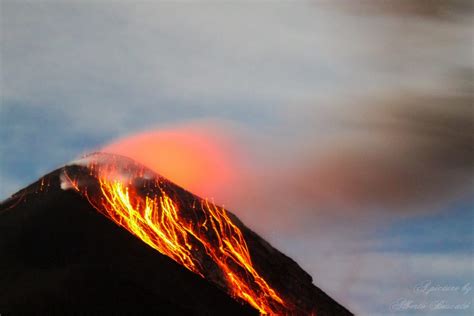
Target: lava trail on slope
[(198, 235)]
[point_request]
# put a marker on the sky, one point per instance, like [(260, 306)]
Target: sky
[(351, 126)]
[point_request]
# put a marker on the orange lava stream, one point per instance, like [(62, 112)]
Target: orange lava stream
[(158, 221)]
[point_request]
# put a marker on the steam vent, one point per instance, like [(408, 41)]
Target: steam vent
[(105, 235)]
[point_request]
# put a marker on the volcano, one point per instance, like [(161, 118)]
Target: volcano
[(106, 235)]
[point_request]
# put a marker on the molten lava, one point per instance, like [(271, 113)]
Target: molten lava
[(197, 235)]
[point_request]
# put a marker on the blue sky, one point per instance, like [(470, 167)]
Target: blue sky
[(78, 76)]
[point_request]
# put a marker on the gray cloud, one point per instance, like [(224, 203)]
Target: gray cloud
[(288, 76), (403, 152)]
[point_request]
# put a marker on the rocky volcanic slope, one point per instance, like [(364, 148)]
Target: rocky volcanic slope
[(59, 254)]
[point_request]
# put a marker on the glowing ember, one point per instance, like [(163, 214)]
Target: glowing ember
[(193, 235)]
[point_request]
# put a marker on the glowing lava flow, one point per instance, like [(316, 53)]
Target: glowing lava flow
[(187, 235)]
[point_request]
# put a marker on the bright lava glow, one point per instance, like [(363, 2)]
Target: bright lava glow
[(194, 235)]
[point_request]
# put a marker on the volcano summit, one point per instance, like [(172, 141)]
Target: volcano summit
[(107, 235)]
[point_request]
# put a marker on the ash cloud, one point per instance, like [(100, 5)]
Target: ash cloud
[(395, 153), (398, 152), (438, 9), (404, 149)]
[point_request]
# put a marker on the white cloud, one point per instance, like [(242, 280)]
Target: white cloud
[(108, 62)]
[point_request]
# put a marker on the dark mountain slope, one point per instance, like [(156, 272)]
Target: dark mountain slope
[(59, 254)]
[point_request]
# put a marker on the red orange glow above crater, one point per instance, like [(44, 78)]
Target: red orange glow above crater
[(202, 160)]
